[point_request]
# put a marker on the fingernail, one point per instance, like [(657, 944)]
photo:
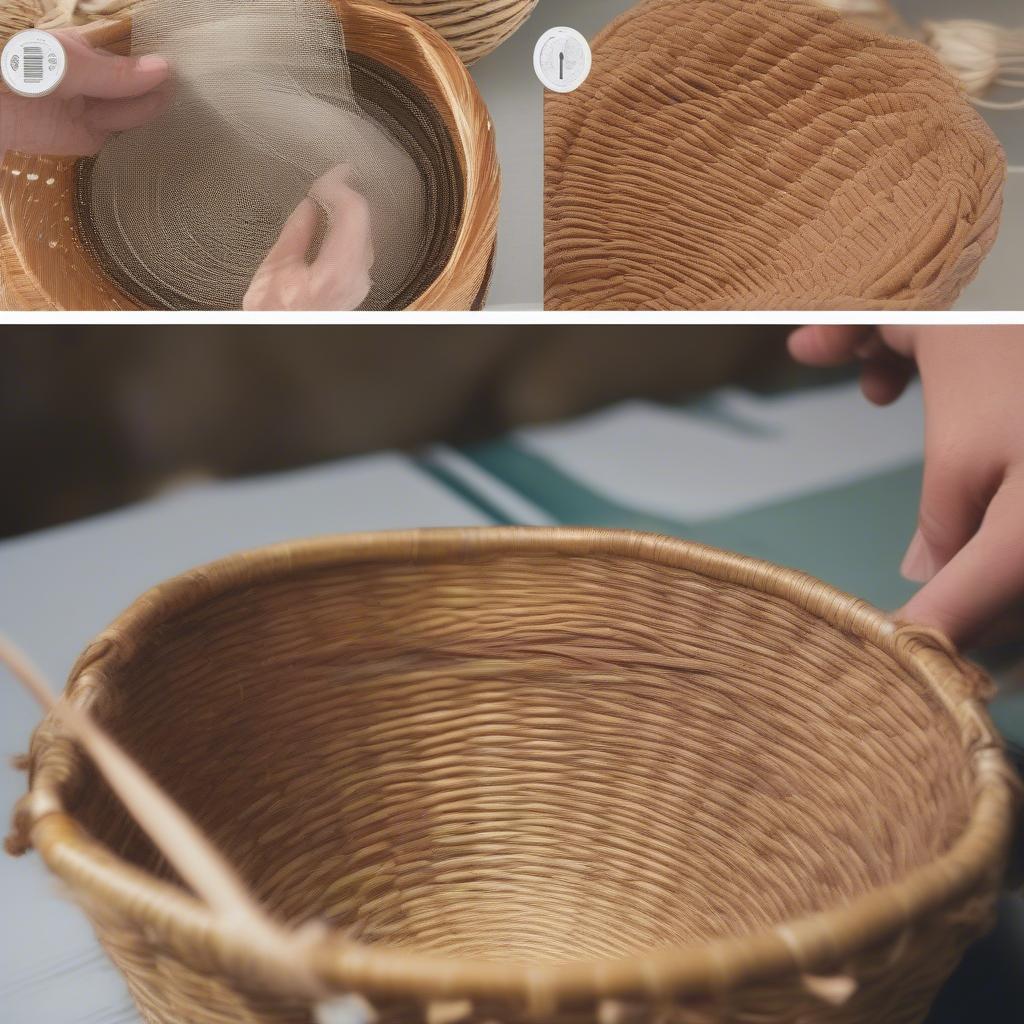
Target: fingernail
[(918, 563), (153, 63)]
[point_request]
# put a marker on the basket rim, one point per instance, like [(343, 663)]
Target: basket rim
[(820, 943)]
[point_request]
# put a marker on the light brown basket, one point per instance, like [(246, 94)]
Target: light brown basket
[(763, 154), (548, 775), (48, 263), (474, 27), (16, 16)]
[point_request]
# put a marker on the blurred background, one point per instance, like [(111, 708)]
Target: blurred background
[(94, 417)]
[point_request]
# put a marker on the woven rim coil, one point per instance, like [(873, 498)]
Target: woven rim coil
[(473, 28), (550, 774), (763, 154), (49, 257)]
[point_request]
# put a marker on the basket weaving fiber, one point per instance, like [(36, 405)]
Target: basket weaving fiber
[(16, 16), (763, 154), (554, 775), (474, 27), (50, 258)]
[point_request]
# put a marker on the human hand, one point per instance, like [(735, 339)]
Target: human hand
[(101, 93), (339, 276), (968, 549)]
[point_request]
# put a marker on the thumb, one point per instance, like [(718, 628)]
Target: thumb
[(295, 238), (985, 577), (948, 516), (103, 75)]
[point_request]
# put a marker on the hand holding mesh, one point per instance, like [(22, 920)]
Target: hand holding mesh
[(338, 275), (187, 209)]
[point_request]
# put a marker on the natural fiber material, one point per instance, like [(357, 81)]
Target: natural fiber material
[(474, 28), (73, 245), (558, 774), (984, 57), (16, 16), (763, 154)]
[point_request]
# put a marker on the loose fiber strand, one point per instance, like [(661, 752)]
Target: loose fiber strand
[(170, 829), (981, 55)]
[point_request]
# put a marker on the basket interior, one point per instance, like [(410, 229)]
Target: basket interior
[(409, 117), (535, 757)]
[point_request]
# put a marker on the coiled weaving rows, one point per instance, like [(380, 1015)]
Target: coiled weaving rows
[(763, 154)]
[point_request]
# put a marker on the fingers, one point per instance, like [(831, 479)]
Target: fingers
[(820, 345), (884, 373), (119, 115), (283, 271), (106, 76), (983, 578), (346, 255), (296, 237), (338, 277), (950, 512)]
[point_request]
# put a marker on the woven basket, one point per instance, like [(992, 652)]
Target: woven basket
[(763, 154), (49, 261), (474, 28), (16, 16), (535, 775)]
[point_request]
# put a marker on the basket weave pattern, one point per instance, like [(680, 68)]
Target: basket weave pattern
[(554, 775), (16, 16), (474, 28), (763, 154)]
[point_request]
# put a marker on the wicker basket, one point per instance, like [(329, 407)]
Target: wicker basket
[(474, 28), (547, 775), (16, 16), (763, 154), (49, 262)]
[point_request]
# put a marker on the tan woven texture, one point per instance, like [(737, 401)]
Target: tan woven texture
[(763, 154), (548, 775), (474, 27), (17, 15)]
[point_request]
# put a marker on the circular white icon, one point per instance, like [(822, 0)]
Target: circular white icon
[(33, 63), (561, 59)]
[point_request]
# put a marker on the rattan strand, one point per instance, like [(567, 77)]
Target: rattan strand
[(16, 16), (536, 774), (473, 28), (763, 154)]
